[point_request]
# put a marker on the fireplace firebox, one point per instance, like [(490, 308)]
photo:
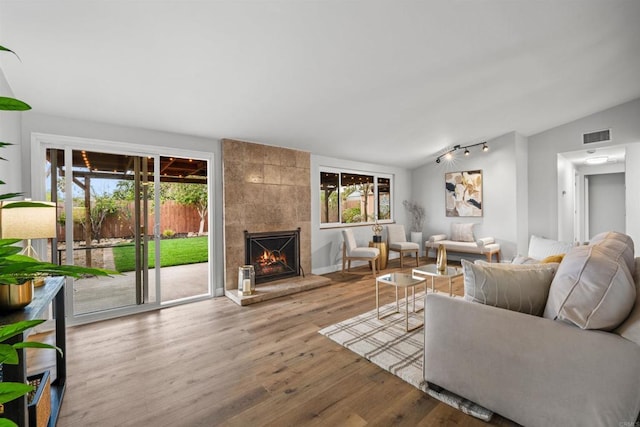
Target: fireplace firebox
[(274, 254)]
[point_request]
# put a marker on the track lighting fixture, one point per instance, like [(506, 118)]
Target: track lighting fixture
[(449, 154)]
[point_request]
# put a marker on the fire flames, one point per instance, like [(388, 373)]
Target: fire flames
[(272, 257)]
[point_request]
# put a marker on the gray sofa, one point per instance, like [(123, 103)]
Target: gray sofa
[(573, 360)]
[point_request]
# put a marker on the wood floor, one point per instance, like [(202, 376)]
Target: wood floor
[(215, 363)]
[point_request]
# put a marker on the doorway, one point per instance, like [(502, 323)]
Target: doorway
[(584, 211), (604, 191), (142, 214)]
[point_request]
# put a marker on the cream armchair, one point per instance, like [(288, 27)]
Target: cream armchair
[(351, 251), (397, 239)]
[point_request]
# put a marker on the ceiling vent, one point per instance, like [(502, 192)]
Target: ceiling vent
[(597, 136)]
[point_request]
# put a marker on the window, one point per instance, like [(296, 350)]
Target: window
[(354, 197)]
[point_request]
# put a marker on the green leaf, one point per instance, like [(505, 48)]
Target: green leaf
[(9, 196), (4, 49), (6, 251), (35, 344), (26, 204), (13, 329), (10, 391), (12, 104), (6, 422), (5, 144), (8, 355), (8, 242)]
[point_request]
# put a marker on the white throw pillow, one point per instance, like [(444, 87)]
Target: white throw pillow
[(522, 288), (462, 232), (591, 289), (540, 247)]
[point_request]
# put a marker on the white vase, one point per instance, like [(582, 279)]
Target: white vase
[(416, 237)]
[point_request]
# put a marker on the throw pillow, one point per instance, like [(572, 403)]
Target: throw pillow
[(553, 258), (540, 247), (521, 259), (437, 238), (619, 243), (522, 288), (462, 232), (630, 328), (591, 289)]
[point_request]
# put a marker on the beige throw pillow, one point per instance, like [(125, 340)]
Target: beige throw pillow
[(630, 328), (522, 288), (619, 243), (591, 289), (462, 232)]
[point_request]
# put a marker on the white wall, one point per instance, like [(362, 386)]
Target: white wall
[(624, 122), (504, 192), (606, 190), (10, 122), (40, 123), (522, 194), (326, 243), (566, 200), (632, 190)]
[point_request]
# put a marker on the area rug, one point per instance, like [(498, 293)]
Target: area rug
[(385, 343)]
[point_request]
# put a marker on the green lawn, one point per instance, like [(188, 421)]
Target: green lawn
[(172, 252)]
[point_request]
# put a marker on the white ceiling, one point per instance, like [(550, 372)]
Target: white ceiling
[(391, 82)]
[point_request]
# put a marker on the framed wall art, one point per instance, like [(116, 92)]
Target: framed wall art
[(463, 192)]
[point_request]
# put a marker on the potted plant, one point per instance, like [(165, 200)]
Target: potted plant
[(417, 217), (18, 269)]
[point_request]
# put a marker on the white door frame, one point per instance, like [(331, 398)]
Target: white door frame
[(39, 144)]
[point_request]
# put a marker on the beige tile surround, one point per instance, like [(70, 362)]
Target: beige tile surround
[(266, 188)]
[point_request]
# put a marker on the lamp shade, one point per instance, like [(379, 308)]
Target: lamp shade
[(28, 222)]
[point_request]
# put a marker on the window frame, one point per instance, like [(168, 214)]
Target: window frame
[(376, 196)]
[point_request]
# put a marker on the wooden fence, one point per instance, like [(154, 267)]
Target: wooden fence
[(178, 218)]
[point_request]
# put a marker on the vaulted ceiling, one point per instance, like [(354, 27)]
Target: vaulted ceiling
[(391, 82)]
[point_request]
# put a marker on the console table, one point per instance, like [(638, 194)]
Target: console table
[(52, 290)]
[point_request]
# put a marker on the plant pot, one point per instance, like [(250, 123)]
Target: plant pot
[(15, 297)]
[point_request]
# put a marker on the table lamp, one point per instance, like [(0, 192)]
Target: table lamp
[(28, 222)]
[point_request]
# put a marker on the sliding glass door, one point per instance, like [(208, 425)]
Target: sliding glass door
[(144, 216), (105, 214)]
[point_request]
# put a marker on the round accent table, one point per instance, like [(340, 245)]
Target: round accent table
[(384, 254)]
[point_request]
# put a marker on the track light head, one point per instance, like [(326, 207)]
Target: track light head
[(485, 147), (438, 160), (466, 151)]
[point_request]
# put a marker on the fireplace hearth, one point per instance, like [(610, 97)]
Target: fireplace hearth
[(274, 255)]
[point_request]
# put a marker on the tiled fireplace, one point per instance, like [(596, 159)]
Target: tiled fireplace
[(265, 189)]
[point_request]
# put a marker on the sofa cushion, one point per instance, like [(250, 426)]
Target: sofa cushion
[(462, 232), (591, 289), (540, 247), (521, 259), (630, 328), (522, 288), (619, 243), (404, 246)]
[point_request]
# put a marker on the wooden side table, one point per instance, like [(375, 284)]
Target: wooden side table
[(384, 254)]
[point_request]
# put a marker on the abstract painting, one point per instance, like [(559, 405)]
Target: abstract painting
[(463, 192)]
